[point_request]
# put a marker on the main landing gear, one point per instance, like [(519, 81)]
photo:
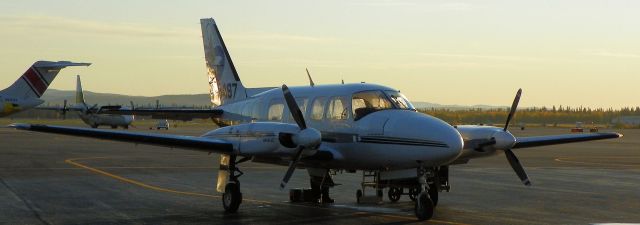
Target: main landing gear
[(232, 197)]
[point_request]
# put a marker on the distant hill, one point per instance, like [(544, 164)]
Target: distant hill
[(57, 97)]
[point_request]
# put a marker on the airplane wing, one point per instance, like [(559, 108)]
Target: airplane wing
[(171, 114), (167, 140), (527, 142)]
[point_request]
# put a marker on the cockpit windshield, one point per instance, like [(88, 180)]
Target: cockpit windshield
[(399, 100), (366, 102)]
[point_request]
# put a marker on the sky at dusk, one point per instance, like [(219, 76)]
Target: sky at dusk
[(568, 52)]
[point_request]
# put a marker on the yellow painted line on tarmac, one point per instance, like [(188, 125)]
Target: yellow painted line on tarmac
[(166, 190), (574, 161)]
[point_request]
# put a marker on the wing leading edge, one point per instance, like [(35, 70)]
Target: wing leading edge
[(527, 142), (167, 140)]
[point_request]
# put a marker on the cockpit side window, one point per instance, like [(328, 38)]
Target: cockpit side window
[(366, 102)]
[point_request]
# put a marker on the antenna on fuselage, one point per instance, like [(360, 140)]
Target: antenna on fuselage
[(310, 80)]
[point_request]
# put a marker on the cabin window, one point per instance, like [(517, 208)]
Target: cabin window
[(338, 109), (302, 103), (317, 108), (276, 109), (366, 102)]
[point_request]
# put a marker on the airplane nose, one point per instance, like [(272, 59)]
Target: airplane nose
[(443, 141)]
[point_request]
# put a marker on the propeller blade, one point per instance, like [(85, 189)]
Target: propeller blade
[(64, 110), (514, 107), (293, 107), (517, 167), (292, 167)]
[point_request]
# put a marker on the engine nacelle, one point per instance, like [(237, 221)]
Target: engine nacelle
[(257, 138)]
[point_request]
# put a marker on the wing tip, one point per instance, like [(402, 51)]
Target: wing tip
[(20, 126)]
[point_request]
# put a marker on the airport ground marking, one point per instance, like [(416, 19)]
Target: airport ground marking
[(166, 190), (572, 160)]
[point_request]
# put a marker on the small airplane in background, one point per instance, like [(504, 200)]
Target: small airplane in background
[(25, 92), (327, 129), (91, 115)]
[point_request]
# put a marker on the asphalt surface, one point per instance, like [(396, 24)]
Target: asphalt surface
[(53, 179)]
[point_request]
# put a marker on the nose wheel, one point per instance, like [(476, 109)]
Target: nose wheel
[(424, 207)]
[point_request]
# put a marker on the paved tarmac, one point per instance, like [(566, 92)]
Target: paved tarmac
[(53, 179)]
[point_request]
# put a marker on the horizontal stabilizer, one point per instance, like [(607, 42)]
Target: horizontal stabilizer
[(170, 114)]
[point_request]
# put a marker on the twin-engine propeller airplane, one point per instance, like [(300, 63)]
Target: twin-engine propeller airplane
[(330, 128), (26, 91), (91, 115)]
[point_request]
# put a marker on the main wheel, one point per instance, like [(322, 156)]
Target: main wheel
[(231, 198), (394, 194), (424, 207), (433, 194), (358, 195)]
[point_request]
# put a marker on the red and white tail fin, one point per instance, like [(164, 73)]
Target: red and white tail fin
[(224, 82), (35, 81)]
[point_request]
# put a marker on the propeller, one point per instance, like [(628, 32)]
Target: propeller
[(307, 138), (64, 110), (511, 157)]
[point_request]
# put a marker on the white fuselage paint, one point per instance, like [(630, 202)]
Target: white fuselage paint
[(95, 120), (387, 139), (10, 105)]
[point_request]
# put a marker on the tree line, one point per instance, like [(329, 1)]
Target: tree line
[(534, 115)]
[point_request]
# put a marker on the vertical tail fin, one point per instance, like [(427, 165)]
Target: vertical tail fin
[(224, 82), (79, 92), (35, 81)]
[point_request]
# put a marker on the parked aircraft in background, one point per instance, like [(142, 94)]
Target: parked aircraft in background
[(331, 128), (25, 93), (91, 115)]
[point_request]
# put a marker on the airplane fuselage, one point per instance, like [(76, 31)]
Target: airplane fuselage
[(362, 127), (10, 105), (95, 120)]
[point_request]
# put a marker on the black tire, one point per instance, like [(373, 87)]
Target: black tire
[(126, 127), (394, 194), (379, 193), (358, 195), (424, 207), (413, 193), (231, 198), (433, 194)]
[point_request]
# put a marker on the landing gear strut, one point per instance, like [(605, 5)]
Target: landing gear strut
[(232, 197), (424, 205)]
